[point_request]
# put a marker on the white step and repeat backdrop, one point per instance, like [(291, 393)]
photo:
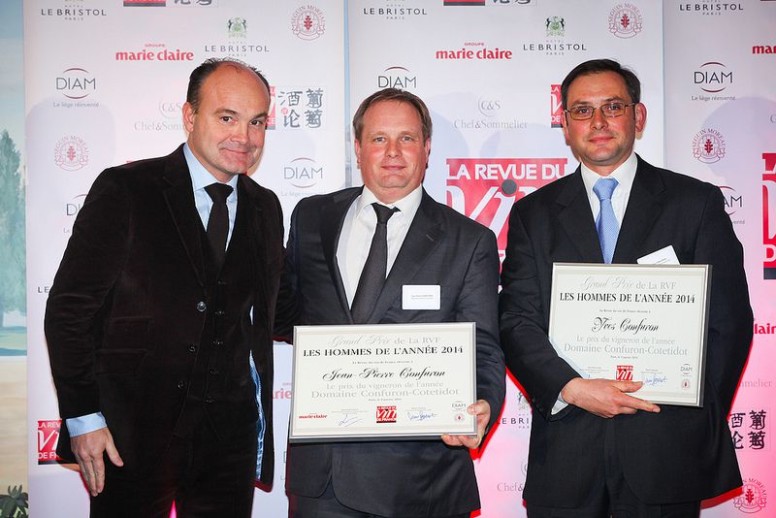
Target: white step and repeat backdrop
[(105, 81)]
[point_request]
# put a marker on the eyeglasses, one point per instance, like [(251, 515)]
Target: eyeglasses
[(610, 110)]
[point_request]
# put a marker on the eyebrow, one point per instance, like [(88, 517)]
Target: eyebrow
[(229, 111), (607, 100)]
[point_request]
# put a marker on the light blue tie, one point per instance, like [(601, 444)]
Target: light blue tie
[(606, 224)]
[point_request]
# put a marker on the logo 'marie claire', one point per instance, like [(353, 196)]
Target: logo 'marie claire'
[(752, 498), (71, 153), (625, 21), (708, 146), (764, 49), (474, 50), (308, 23)]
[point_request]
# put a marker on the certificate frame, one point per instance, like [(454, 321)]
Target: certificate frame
[(382, 382), (634, 322)]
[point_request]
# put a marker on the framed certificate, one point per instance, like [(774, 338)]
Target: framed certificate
[(378, 382), (634, 322)]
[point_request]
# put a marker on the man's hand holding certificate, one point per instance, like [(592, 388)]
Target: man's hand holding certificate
[(362, 382), (633, 323)]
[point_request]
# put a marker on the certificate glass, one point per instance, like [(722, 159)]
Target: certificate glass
[(634, 322), (377, 382)]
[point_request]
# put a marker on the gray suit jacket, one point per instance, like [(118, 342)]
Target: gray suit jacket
[(442, 247)]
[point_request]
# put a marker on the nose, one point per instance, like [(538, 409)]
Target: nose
[(392, 148), (599, 120), (241, 133)]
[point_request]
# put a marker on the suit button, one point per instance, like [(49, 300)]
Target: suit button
[(220, 313), (209, 400), (201, 306), (214, 372), (218, 342), (181, 384), (192, 348)]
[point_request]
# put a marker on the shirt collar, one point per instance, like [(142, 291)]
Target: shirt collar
[(201, 177), (407, 206), (624, 175)]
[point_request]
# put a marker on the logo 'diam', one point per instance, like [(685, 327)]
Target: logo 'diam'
[(76, 83), (713, 77), (308, 23), (708, 146), (625, 21), (397, 77)]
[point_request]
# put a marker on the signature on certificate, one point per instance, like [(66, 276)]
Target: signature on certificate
[(654, 380), (349, 419), (420, 415)]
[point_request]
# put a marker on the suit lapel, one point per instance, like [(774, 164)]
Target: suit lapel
[(576, 219), (423, 237), (179, 196), (644, 207), (249, 225), (332, 218)]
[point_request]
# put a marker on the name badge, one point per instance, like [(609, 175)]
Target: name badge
[(420, 296), (665, 255)]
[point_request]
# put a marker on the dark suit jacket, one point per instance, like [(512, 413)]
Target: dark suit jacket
[(680, 454), (442, 247), (128, 307)]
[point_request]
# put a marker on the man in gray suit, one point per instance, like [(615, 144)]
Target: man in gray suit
[(597, 449), (428, 245)]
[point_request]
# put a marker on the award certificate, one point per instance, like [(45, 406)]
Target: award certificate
[(634, 322), (377, 382)]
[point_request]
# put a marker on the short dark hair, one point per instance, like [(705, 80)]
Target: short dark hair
[(596, 66), (393, 94), (199, 74)]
